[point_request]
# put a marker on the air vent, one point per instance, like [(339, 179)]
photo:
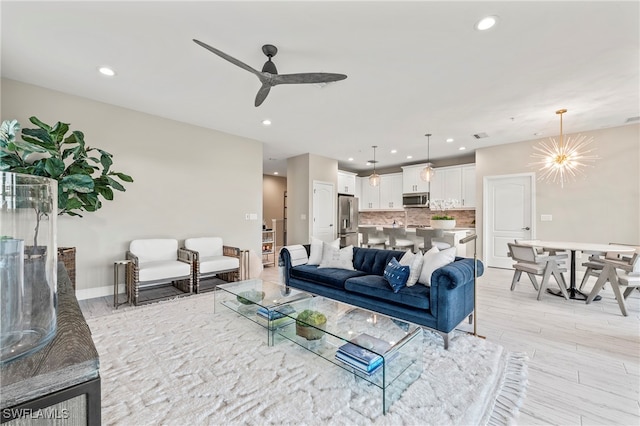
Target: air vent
[(632, 119), (480, 135)]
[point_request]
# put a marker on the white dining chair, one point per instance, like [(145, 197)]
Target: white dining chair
[(624, 276), (534, 263), (595, 264)]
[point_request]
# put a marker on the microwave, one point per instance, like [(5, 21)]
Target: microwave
[(420, 199)]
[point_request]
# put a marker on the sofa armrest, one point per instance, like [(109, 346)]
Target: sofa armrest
[(284, 262), (133, 258), (457, 273)]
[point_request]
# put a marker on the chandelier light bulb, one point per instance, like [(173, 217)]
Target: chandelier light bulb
[(374, 179), (428, 172)]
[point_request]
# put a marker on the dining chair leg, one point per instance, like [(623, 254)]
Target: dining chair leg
[(600, 282), (533, 280), (561, 282), (516, 277), (587, 273), (545, 281)]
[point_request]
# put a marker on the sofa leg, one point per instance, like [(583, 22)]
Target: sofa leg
[(445, 337)]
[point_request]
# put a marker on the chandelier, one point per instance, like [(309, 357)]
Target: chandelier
[(374, 179), (428, 172), (565, 160)]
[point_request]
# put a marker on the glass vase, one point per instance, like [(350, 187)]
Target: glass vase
[(28, 263)]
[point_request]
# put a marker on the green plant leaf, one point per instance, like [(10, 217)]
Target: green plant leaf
[(54, 167), (115, 184), (41, 124), (74, 204), (78, 182), (58, 132), (105, 160), (122, 176), (105, 191)]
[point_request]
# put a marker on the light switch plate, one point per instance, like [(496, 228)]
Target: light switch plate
[(546, 218)]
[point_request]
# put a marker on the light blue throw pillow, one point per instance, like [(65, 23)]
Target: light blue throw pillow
[(396, 274)]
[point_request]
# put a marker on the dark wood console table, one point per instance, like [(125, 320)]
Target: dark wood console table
[(60, 383)]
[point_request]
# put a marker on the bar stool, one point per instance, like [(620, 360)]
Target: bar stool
[(370, 237), (429, 236), (397, 238)]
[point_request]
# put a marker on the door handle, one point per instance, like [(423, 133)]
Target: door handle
[(526, 228)]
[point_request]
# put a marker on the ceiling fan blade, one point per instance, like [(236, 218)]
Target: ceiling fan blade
[(227, 57), (262, 94), (307, 78)]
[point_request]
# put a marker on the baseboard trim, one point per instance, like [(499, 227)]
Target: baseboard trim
[(92, 293)]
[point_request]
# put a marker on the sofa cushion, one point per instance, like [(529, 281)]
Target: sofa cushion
[(414, 262), (435, 259), (154, 249), (163, 269), (331, 277), (373, 261), (218, 264), (396, 275), (337, 258), (376, 286), (205, 246), (316, 249)]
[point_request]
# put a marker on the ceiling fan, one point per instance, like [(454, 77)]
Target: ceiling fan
[(269, 76)]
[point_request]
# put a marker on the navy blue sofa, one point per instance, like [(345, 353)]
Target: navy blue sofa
[(440, 307)]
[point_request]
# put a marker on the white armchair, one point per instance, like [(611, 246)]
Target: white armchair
[(211, 258), (157, 263)]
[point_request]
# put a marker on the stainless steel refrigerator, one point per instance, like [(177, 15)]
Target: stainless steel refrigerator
[(348, 220)]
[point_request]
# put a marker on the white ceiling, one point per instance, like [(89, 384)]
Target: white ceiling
[(413, 68)]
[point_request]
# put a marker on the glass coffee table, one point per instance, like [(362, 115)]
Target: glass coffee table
[(256, 300), (377, 349)]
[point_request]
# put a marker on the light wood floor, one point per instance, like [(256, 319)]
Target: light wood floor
[(584, 360)]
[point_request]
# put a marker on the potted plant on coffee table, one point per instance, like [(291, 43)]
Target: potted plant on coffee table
[(310, 324)]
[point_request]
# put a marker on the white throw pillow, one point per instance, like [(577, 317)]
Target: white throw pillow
[(434, 259), (337, 258), (414, 262), (315, 255), (415, 269)]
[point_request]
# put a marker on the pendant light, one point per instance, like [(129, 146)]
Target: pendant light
[(560, 161), (374, 179), (428, 172)]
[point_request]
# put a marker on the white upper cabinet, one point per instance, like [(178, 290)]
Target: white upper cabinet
[(411, 181), (391, 191), (386, 196), (346, 182), (468, 186), (455, 182)]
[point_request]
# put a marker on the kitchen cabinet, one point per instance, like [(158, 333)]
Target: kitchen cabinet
[(455, 182), (386, 196), (468, 186), (346, 182), (391, 191), (412, 183)]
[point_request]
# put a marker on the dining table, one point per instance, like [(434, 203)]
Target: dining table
[(573, 247)]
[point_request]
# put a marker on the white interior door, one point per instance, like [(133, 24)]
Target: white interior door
[(324, 211), (509, 209)]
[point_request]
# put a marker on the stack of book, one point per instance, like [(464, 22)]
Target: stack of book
[(276, 318), (364, 353)]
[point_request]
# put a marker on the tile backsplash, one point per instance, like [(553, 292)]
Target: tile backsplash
[(416, 216)]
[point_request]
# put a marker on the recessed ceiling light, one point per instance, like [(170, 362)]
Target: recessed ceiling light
[(275, 173), (393, 151), (350, 159), (462, 148), (450, 140), (368, 163), (266, 122), (486, 23), (107, 71), (409, 157)]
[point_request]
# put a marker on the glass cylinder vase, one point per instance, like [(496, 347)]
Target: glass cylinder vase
[(28, 263)]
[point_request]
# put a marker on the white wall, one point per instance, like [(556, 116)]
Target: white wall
[(188, 181), (603, 206)]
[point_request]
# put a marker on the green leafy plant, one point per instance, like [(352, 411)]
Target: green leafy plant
[(442, 217), (83, 173), (310, 317)]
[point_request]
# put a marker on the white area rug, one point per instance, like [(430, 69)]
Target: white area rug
[(178, 363)]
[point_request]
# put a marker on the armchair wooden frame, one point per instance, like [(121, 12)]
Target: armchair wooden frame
[(533, 263)]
